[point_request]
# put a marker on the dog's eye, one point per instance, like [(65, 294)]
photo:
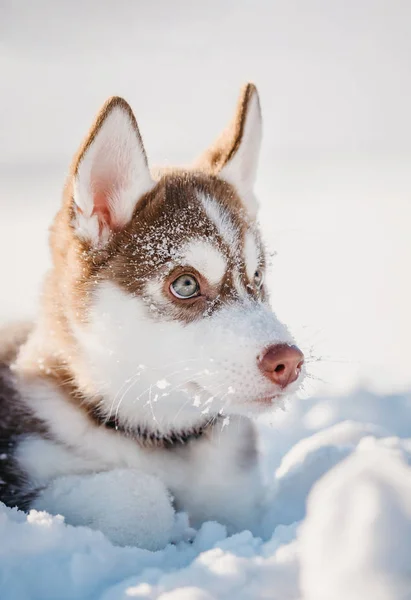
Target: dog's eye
[(258, 278), (185, 286)]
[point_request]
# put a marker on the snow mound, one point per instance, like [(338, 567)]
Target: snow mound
[(337, 525), (356, 538)]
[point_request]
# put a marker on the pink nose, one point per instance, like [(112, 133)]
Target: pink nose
[(281, 363)]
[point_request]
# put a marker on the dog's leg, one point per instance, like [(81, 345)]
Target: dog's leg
[(129, 507), (223, 481)]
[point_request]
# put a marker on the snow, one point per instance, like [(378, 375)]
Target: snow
[(356, 539), (337, 523)]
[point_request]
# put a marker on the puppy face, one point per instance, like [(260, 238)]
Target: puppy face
[(174, 322)]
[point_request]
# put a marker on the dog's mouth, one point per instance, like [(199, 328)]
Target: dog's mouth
[(266, 400)]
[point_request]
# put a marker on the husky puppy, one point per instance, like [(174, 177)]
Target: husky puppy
[(128, 398)]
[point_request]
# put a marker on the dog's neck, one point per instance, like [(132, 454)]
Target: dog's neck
[(60, 376), (144, 435)]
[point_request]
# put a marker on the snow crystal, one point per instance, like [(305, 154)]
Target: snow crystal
[(162, 384)]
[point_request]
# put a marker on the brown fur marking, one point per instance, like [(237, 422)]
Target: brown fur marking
[(227, 144)]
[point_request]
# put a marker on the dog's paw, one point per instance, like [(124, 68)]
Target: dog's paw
[(131, 508)]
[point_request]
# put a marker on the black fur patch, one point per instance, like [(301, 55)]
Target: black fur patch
[(16, 421)]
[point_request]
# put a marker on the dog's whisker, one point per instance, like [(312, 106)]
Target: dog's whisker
[(149, 389), (133, 380)]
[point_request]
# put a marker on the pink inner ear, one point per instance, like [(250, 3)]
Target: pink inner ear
[(102, 207), (104, 190)]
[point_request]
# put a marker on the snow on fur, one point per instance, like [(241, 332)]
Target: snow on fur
[(337, 524)]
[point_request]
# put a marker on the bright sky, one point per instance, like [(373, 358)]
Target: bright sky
[(334, 181)]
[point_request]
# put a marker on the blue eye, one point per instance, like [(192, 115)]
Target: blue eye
[(185, 286)]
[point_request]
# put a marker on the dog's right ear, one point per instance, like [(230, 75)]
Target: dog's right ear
[(110, 174)]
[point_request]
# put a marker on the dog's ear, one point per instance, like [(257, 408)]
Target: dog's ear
[(110, 173), (234, 156)]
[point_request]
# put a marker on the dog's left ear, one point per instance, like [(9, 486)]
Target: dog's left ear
[(110, 174), (234, 156)]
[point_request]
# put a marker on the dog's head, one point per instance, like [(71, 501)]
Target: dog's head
[(163, 279)]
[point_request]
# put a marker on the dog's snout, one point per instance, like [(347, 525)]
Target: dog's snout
[(281, 363)]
